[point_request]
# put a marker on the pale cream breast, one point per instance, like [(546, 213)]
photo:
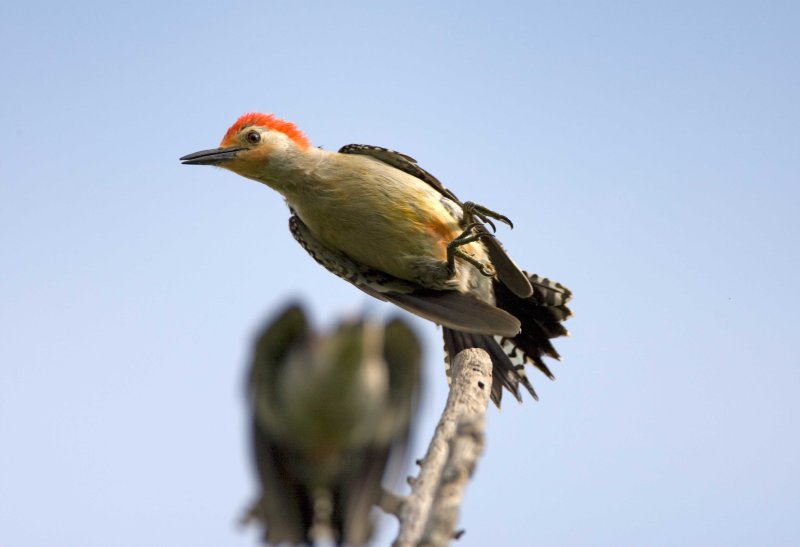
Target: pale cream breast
[(375, 214)]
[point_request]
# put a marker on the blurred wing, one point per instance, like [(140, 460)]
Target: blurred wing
[(386, 457), (285, 506), (283, 332), (403, 355)]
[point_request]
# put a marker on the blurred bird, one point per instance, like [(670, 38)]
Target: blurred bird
[(329, 412), (375, 218)]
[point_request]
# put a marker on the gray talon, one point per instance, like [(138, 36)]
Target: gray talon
[(466, 237), (484, 213)]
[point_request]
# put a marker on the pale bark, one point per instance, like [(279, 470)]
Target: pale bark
[(428, 516)]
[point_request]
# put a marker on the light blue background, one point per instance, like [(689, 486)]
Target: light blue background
[(647, 152)]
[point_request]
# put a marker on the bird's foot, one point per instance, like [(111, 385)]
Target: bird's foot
[(472, 210), (473, 232)]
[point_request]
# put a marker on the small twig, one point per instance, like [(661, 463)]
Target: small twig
[(428, 515), (391, 503)]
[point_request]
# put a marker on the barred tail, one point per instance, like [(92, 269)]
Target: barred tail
[(541, 315)]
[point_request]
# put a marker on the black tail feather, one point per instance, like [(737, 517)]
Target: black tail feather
[(540, 314)]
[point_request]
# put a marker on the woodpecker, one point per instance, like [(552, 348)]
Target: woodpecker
[(375, 218), (329, 412)]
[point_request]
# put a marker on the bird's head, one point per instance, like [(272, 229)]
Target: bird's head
[(253, 145)]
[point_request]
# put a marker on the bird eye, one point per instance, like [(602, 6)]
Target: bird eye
[(253, 137)]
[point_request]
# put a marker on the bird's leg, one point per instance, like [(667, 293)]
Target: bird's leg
[(472, 210), (469, 235)]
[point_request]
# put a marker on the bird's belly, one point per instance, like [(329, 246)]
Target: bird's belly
[(395, 237), (390, 243), (385, 219)]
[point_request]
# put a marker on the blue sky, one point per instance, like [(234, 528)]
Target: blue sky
[(646, 152)]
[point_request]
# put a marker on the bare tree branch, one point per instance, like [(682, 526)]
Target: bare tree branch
[(428, 515)]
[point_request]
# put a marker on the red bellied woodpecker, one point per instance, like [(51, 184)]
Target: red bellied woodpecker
[(375, 218)]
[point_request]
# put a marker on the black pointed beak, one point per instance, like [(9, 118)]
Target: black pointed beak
[(215, 156)]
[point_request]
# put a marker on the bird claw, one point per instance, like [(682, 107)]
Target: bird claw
[(472, 209), (468, 236), (485, 268)]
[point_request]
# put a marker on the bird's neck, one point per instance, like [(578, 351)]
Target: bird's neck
[(292, 171)]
